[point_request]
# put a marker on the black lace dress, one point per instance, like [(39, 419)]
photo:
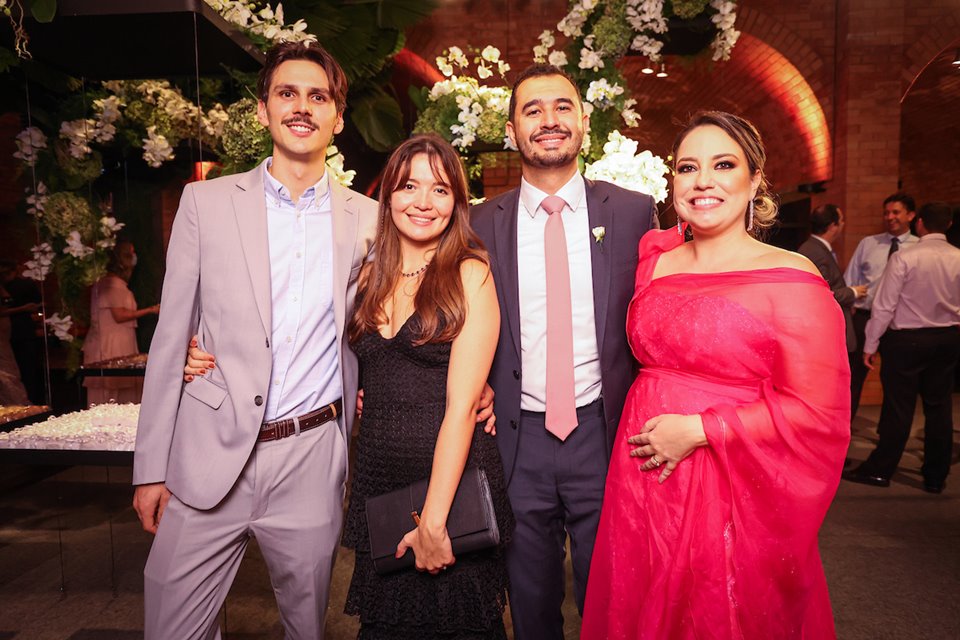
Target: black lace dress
[(404, 397)]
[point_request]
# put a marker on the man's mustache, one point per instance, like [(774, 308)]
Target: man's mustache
[(300, 120), (550, 132)]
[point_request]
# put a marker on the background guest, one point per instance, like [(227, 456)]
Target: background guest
[(916, 324), (826, 224), (12, 391), (26, 334), (113, 328), (866, 267)]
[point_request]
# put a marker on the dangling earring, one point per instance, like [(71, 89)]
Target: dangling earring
[(679, 226), (750, 216)]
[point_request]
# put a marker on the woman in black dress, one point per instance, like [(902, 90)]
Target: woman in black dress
[(425, 331)]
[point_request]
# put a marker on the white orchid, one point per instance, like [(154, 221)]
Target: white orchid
[(601, 92), (624, 167), (29, 142), (335, 162), (490, 53), (37, 200), (727, 36), (156, 149), (79, 133), (557, 58), (60, 326), (456, 56), (75, 246), (40, 264), (590, 59), (629, 115), (445, 67)]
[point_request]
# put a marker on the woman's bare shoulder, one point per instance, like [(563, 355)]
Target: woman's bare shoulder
[(775, 257)]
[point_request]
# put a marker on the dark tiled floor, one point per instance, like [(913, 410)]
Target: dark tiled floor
[(72, 553)]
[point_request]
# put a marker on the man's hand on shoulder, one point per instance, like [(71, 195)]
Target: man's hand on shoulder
[(150, 501)]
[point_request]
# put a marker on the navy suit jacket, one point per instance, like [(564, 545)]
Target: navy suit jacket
[(625, 216)]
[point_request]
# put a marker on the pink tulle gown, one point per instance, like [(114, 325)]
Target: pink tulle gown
[(726, 548)]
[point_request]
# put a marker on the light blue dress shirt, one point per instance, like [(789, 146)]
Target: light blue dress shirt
[(306, 361), (868, 261)]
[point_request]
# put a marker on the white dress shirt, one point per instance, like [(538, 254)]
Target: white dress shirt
[(531, 222), (869, 259), (306, 362), (920, 289)]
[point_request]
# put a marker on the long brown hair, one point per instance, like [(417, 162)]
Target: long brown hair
[(439, 301)]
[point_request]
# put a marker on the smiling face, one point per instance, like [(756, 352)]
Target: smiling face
[(422, 204), (897, 218), (713, 184), (549, 123), (300, 112)]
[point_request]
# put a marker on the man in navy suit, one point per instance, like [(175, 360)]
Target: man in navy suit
[(559, 392)]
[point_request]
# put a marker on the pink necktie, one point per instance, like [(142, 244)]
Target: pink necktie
[(561, 418)]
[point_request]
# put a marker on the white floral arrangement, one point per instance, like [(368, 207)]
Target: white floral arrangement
[(266, 22), (461, 109), (103, 427), (648, 22), (623, 166)]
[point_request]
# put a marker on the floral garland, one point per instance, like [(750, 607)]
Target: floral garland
[(641, 25)]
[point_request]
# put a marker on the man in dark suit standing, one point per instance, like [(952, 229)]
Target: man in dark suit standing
[(564, 253), (826, 224)]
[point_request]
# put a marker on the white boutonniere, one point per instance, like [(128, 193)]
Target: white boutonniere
[(599, 233)]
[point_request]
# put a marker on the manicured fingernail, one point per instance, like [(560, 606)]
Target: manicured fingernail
[(189, 378)]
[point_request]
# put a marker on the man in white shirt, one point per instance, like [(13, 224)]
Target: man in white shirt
[(563, 364), (826, 224), (865, 268), (916, 325)]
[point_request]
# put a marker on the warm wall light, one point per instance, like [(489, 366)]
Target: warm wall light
[(201, 169), (956, 58), (663, 71)]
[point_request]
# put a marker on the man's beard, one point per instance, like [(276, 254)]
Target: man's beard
[(550, 159)]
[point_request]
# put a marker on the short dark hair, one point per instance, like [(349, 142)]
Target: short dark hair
[(903, 198), (539, 70), (822, 217), (936, 216), (312, 52)]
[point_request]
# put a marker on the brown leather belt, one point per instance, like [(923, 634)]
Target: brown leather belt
[(283, 428)]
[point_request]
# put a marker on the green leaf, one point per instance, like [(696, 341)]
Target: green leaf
[(418, 96), (8, 59), (378, 118), (43, 10)]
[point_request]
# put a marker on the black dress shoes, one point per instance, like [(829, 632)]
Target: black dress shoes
[(856, 475), (933, 487)]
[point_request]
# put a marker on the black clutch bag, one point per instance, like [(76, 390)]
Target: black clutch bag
[(471, 524)]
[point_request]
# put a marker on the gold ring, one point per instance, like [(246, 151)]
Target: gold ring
[(656, 460)]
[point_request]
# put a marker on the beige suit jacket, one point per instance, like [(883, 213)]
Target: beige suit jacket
[(197, 437)]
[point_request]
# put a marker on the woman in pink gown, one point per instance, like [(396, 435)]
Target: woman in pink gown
[(734, 433)]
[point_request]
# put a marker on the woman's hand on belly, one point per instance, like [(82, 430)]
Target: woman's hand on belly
[(667, 439)]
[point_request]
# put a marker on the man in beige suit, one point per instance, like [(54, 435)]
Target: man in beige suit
[(262, 266)]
